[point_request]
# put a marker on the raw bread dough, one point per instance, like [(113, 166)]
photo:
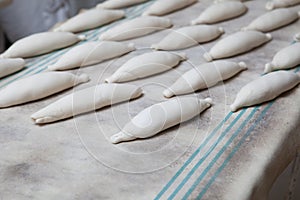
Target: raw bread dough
[(136, 27), (38, 86), (265, 88), (220, 1), (161, 116), (41, 43), (286, 58), (188, 36), (10, 65), (115, 4), (86, 100), (273, 20), (297, 37), (163, 7), (237, 43), (146, 65), (90, 19), (221, 12), (204, 76), (91, 53), (281, 4)]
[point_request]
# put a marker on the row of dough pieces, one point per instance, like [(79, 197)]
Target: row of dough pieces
[(289, 80)]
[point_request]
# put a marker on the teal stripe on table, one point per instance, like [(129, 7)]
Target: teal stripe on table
[(178, 173), (50, 57), (200, 162), (219, 170)]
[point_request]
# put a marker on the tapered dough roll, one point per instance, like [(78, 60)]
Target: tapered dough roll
[(86, 100), (163, 7), (135, 28), (237, 43), (91, 53), (115, 4), (41, 43), (188, 36), (270, 5), (90, 19), (38, 86), (221, 12), (265, 88), (10, 65), (204, 76), (273, 20), (161, 116), (146, 65), (286, 58)]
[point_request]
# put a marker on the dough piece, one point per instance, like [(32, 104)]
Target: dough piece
[(204, 76), (115, 4), (163, 7), (90, 19), (135, 28), (273, 20), (286, 58), (188, 36), (11, 65), (38, 86), (146, 65), (297, 37), (41, 43), (91, 53), (237, 43), (86, 100), (161, 116), (270, 5), (221, 12), (265, 88), (220, 1)]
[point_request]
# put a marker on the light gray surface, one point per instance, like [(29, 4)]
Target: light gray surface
[(73, 159)]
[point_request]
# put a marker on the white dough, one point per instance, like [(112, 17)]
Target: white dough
[(91, 53), (38, 86), (163, 7), (135, 28), (86, 100), (188, 36), (237, 43), (115, 4), (161, 116), (41, 43), (220, 1), (297, 37), (90, 19), (220, 12), (270, 5), (10, 65), (265, 88), (286, 58), (146, 65), (204, 76), (273, 20)]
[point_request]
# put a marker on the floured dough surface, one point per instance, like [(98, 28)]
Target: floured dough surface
[(10, 65)]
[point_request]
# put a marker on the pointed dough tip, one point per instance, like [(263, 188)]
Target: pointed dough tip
[(269, 36), (208, 57), (81, 37), (269, 5), (221, 30), (194, 22), (297, 37), (52, 68), (154, 46), (268, 68), (168, 93), (83, 78), (243, 65), (233, 108), (182, 55), (208, 100), (120, 137), (110, 79), (131, 46)]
